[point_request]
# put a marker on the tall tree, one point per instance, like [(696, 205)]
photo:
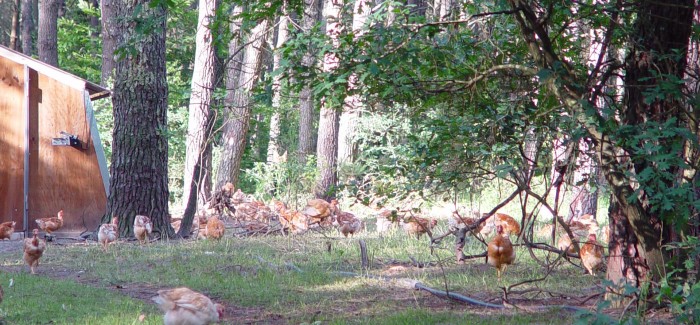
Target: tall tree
[(27, 26), (14, 37), (199, 123), (327, 146), (273, 147), (139, 169), (353, 102), (306, 101), (109, 38), (48, 31), (238, 104)]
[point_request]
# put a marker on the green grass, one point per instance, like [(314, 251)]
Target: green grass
[(251, 273), (39, 300)]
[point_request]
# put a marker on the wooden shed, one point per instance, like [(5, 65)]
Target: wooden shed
[(52, 158)]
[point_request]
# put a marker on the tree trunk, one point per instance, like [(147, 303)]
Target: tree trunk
[(109, 39), (306, 101), (48, 31), (327, 146), (199, 123), (239, 103), (354, 102), (139, 169), (15, 26), (27, 26), (273, 147)]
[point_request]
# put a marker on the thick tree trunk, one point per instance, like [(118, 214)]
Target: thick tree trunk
[(27, 26), (327, 146), (139, 169), (239, 103), (109, 39), (200, 113), (48, 31), (306, 101)]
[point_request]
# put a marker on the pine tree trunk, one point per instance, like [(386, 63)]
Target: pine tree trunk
[(139, 169), (273, 147), (327, 146), (306, 101), (109, 39), (48, 31), (239, 103), (27, 25), (200, 114), (14, 37), (354, 102)]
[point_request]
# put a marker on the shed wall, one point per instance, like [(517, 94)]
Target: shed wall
[(12, 136)]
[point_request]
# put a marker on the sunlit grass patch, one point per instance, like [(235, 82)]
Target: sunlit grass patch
[(38, 300)]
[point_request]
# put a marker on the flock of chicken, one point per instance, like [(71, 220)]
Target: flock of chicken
[(184, 306)]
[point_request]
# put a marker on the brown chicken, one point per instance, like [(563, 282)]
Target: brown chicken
[(347, 223), (319, 211), (564, 243), (51, 224), (294, 221), (510, 226), (418, 226), (142, 228), (458, 222), (184, 306), (108, 233), (33, 249), (500, 251), (592, 254), (215, 228), (7, 229)]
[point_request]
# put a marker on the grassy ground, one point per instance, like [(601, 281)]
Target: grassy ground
[(279, 280)]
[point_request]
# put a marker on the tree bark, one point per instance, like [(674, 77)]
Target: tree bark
[(306, 101), (202, 87), (14, 37), (109, 39), (273, 147), (239, 103), (48, 31), (27, 22), (327, 146), (199, 123), (139, 169), (354, 102)]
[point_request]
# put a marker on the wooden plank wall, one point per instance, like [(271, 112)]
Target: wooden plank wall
[(12, 142), (63, 177)]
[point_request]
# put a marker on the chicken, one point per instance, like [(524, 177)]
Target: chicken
[(592, 254), (108, 233), (418, 226), (33, 249), (7, 229), (142, 228), (457, 222), (565, 243), (319, 210), (347, 223), (183, 306), (51, 224), (500, 251), (215, 228), (388, 219), (294, 221)]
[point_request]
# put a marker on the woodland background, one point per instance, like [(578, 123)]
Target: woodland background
[(390, 102)]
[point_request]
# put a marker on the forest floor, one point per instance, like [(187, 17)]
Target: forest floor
[(293, 280)]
